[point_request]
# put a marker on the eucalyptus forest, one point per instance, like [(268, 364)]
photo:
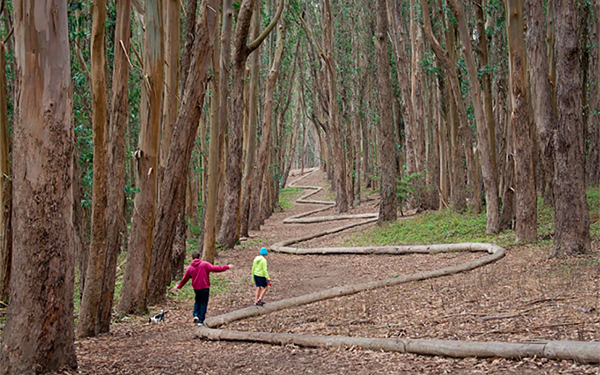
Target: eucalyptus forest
[(423, 175)]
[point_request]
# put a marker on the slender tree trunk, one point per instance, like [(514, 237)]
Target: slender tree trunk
[(572, 221), (593, 150), (180, 151), (5, 185), (526, 197), (92, 292), (541, 92), (139, 256), (483, 148), (229, 231), (250, 179), (39, 332), (387, 161)]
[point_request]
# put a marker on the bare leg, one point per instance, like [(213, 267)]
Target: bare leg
[(262, 294), (257, 293)]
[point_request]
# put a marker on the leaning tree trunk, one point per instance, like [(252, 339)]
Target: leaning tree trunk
[(39, 333), (250, 179), (387, 160), (92, 292), (525, 194), (182, 143), (135, 282), (261, 170), (489, 180), (229, 231), (572, 220), (116, 161)]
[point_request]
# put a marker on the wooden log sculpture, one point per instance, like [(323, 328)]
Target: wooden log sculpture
[(571, 350)]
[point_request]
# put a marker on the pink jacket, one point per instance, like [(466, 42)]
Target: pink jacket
[(199, 272)]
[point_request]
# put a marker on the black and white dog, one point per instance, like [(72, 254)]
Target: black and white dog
[(158, 318)]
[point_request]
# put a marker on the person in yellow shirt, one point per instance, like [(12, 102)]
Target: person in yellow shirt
[(260, 276)]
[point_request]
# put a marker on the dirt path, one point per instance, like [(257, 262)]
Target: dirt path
[(450, 308)]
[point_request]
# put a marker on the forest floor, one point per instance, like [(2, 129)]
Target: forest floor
[(522, 297)]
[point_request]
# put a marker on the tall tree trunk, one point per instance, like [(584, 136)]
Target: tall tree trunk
[(417, 140), (341, 196), (250, 179), (116, 160), (572, 221), (5, 185), (229, 232), (486, 81), (541, 92), (483, 148), (135, 282), (173, 186), (262, 167), (593, 151), (387, 161), (92, 292), (39, 332), (220, 60), (525, 194)]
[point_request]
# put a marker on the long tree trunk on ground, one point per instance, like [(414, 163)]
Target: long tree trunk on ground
[(135, 282), (483, 148), (182, 143), (39, 332), (229, 232), (387, 161), (250, 179), (541, 91), (116, 160), (220, 80), (572, 221), (92, 292), (5, 185), (262, 166), (525, 194)]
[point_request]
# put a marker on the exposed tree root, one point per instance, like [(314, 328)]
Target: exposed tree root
[(572, 350)]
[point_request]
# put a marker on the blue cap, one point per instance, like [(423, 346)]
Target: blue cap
[(263, 251)]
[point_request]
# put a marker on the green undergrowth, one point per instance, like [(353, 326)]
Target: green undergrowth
[(448, 226), (288, 195)]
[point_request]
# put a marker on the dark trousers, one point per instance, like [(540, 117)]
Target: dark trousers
[(201, 303)]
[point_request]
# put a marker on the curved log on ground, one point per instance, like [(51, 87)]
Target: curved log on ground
[(571, 350)]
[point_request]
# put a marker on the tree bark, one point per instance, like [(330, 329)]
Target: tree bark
[(572, 221), (525, 194), (262, 167), (541, 92), (387, 161), (229, 232), (39, 331), (483, 148), (92, 292), (182, 143), (250, 178), (139, 256), (116, 228), (5, 185)]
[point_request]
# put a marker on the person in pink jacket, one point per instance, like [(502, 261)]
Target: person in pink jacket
[(199, 271)]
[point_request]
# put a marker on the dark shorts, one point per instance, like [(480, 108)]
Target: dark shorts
[(260, 281)]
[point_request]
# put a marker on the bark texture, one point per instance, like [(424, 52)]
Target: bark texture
[(572, 220), (39, 332)]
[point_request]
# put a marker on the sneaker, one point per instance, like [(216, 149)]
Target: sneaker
[(260, 302), (196, 319), (256, 303), (200, 324)]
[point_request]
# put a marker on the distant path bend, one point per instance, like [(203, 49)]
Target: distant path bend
[(573, 350)]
